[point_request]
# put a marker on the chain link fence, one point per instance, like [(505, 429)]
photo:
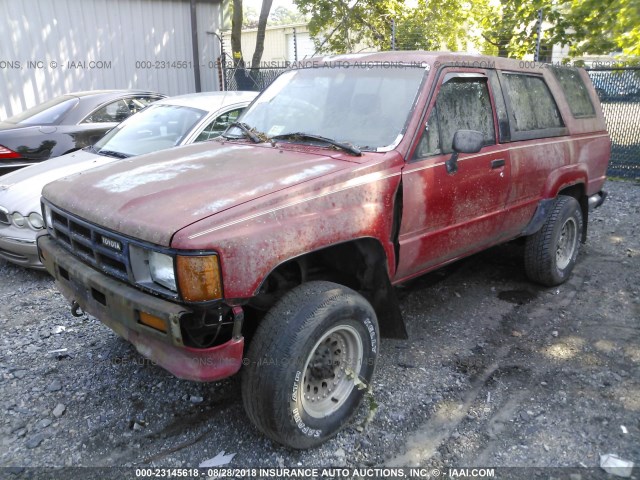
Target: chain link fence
[(619, 92), (255, 79)]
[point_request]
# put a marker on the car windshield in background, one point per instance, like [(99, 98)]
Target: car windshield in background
[(364, 107), (48, 113), (155, 128)]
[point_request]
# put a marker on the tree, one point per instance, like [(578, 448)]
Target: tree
[(244, 81), (340, 26), (587, 26), (284, 16), (236, 34), (262, 26), (250, 17), (509, 28), (435, 25), (598, 27)]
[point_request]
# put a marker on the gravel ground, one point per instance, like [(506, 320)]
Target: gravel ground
[(497, 372)]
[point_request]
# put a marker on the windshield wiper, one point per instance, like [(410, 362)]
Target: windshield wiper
[(246, 129), (301, 135), (111, 153)]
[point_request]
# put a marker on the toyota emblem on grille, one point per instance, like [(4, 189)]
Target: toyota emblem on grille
[(111, 243)]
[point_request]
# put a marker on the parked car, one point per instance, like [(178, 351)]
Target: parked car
[(616, 85), (64, 124), (173, 121), (338, 183)]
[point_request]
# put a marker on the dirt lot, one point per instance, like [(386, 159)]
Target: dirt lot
[(497, 372)]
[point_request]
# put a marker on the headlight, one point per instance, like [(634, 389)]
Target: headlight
[(48, 216), (18, 220), (199, 277), (161, 269), (35, 221), (195, 277)]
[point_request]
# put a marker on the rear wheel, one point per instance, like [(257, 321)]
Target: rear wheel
[(551, 253), (310, 363)]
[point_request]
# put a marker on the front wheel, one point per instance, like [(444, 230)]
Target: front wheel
[(551, 253), (310, 363)]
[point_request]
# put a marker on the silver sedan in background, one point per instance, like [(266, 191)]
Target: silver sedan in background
[(164, 124)]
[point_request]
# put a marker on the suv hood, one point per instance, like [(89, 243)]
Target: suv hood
[(152, 196)]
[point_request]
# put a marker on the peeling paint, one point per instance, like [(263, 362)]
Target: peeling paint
[(307, 173)]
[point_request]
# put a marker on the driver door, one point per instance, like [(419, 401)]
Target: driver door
[(449, 215)]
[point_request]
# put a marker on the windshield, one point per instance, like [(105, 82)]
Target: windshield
[(155, 128), (365, 107), (47, 113)]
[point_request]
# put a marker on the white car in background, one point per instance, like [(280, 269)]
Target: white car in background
[(164, 124)]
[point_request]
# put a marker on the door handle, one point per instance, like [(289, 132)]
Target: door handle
[(497, 163)]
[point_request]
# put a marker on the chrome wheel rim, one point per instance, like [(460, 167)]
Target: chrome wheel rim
[(566, 243), (330, 370)]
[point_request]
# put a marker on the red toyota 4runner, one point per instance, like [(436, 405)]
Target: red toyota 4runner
[(345, 177)]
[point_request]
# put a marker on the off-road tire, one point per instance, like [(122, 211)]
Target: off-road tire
[(551, 252), (296, 383)]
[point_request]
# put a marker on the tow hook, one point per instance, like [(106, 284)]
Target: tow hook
[(76, 311)]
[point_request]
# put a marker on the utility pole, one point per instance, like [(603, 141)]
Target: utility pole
[(393, 34), (539, 37)]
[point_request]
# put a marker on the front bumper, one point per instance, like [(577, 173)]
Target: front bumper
[(21, 252), (118, 306)]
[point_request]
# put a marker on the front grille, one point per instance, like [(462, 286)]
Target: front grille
[(87, 242), (4, 217)]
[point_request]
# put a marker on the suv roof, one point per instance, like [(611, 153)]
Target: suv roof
[(419, 57)]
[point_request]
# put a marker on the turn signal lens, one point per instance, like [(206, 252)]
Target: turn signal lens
[(199, 278), (153, 321)]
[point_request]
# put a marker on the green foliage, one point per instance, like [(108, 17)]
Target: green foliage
[(598, 26), (509, 28), (497, 27), (338, 26), (250, 17), (435, 25), (285, 16)]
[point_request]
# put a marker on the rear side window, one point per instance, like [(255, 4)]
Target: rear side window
[(575, 92), (532, 105)]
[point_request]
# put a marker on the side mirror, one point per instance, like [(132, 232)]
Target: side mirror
[(464, 141)]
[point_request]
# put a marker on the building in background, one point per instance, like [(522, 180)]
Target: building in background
[(282, 43), (59, 46)]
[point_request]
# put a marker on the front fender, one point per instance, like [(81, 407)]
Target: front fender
[(253, 239)]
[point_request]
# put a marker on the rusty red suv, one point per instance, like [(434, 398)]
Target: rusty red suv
[(273, 250)]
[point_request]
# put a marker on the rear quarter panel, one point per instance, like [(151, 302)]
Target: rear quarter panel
[(590, 144), (541, 168)]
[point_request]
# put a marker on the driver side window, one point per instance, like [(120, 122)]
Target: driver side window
[(463, 104)]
